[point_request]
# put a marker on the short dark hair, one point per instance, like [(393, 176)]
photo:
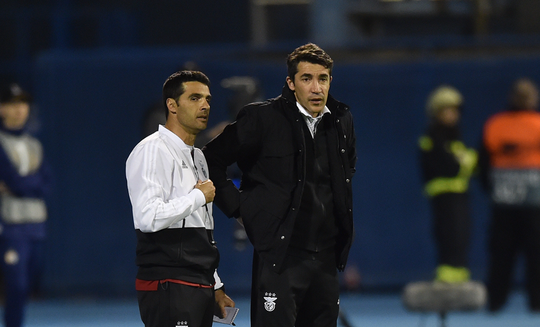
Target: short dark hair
[(174, 85), (524, 94), (311, 53)]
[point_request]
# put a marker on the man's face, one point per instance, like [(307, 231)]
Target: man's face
[(14, 114), (193, 107), (448, 116), (311, 85)]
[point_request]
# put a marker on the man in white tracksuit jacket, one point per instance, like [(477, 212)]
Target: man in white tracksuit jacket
[(171, 195)]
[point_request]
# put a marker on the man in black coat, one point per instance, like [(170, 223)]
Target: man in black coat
[(297, 155)]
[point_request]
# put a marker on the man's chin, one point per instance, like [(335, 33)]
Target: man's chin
[(316, 110), (202, 127)]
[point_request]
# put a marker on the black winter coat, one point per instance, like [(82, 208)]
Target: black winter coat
[(267, 143)]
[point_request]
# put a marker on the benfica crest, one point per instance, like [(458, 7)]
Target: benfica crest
[(269, 305)]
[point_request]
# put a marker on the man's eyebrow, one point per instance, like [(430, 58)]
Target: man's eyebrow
[(200, 95), (311, 75)]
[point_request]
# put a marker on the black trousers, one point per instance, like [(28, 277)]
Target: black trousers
[(174, 305), (452, 228), (513, 231), (306, 294)]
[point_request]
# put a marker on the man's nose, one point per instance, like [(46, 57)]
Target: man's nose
[(316, 87), (206, 105)]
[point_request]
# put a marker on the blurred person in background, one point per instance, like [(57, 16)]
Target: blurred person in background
[(297, 154), (25, 180), (510, 171), (447, 165), (171, 195)]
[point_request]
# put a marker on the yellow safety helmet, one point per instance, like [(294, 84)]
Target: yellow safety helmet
[(441, 97)]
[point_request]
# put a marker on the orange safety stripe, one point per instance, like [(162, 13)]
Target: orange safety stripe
[(518, 128), (152, 285)]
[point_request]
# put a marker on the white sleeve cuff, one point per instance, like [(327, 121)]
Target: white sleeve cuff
[(200, 199), (218, 284)]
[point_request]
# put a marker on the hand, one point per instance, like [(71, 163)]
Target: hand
[(222, 301), (207, 187)]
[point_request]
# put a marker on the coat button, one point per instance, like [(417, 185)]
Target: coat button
[(273, 265), (337, 120), (293, 209), (282, 237), (347, 180), (342, 150), (344, 136)]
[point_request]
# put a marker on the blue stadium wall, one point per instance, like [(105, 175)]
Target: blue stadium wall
[(91, 106)]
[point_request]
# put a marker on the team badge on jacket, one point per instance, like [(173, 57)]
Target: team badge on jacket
[(270, 305)]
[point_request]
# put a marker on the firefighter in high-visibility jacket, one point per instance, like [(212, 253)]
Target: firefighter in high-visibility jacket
[(510, 172), (447, 166)]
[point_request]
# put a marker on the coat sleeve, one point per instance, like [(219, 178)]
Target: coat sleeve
[(234, 142), (220, 153)]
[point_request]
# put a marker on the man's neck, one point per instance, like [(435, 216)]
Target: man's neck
[(187, 137)]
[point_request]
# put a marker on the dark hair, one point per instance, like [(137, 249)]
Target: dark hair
[(524, 95), (311, 53), (13, 93), (174, 85)]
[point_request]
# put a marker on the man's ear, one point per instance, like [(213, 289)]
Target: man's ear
[(172, 106), (290, 83)]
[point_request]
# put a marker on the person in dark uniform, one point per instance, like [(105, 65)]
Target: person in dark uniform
[(447, 165), (297, 156), (510, 171), (25, 182)]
